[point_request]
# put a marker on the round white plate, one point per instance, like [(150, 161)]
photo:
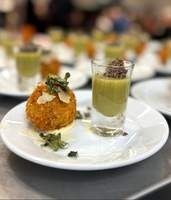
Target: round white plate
[(165, 69), (153, 46), (64, 53), (147, 133), (42, 40), (141, 72), (156, 93), (9, 86)]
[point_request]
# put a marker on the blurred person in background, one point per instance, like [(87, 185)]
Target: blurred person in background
[(6, 7), (113, 18), (106, 15), (77, 14), (37, 13), (153, 16), (165, 16), (58, 13)]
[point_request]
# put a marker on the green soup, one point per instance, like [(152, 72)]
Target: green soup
[(110, 95), (114, 52), (28, 63)]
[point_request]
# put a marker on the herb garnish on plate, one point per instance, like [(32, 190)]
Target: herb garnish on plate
[(73, 154), (53, 141), (55, 82), (83, 114)]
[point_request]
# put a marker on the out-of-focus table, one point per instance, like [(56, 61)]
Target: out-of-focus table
[(21, 179)]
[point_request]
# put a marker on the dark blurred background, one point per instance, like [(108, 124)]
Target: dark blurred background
[(152, 16)]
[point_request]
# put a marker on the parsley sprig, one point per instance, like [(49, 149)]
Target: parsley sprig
[(54, 82), (53, 141)]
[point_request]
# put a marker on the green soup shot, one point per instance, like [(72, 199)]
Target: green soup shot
[(110, 95), (110, 91), (27, 65), (28, 61)]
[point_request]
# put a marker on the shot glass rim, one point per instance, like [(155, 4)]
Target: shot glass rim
[(96, 62), (17, 50)]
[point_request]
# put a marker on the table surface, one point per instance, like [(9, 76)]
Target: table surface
[(22, 179)]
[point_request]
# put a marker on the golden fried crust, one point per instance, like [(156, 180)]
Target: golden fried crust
[(51, 115), (52, 67)]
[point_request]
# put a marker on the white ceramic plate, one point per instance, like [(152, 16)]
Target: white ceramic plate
[(142, 72), (147, 133), (9, 86), (42, 40), (64, 53), (153, 46), (156, 93), (165, 69)]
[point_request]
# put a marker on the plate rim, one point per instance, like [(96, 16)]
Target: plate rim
[(86, 167), (163, 70), (147, 77), (133, 93), (21, 95)]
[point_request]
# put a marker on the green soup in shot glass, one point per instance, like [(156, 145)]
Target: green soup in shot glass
[(114, 51), (28, 66), (110, 90)]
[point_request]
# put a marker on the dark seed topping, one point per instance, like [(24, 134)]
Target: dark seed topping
[(117, 63), (29, 48), (116, 69)]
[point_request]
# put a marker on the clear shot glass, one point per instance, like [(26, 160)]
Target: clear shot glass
[(110, 90)]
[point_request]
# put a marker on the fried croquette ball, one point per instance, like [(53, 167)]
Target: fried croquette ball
[(51, 115), (52, 67)]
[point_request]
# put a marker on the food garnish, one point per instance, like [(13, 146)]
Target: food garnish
[(78, 115), (87, 115), (54, 82), (88, 108), (53, 141), (30, 47), (59, 86), (117, 62), (84, 114), (125, 134), (73, 154), (116, 69), (63, 96), (45, 97)]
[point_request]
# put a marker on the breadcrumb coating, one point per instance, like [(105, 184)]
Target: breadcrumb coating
[(51, 115)]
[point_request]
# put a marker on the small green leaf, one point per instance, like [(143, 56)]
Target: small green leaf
[(73, 154), (54, 82), (53, 141)]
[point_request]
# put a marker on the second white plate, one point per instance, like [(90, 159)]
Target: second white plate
[(9, 86), (156, 93)]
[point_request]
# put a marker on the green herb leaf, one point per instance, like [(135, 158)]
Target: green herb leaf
[(125, 134), (67, 75), (73, 154), (78, 115), (54, 82), (53, 141)]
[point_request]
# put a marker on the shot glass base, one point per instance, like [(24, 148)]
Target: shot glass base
[(27, 84), (107, 126), (107, 132)]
